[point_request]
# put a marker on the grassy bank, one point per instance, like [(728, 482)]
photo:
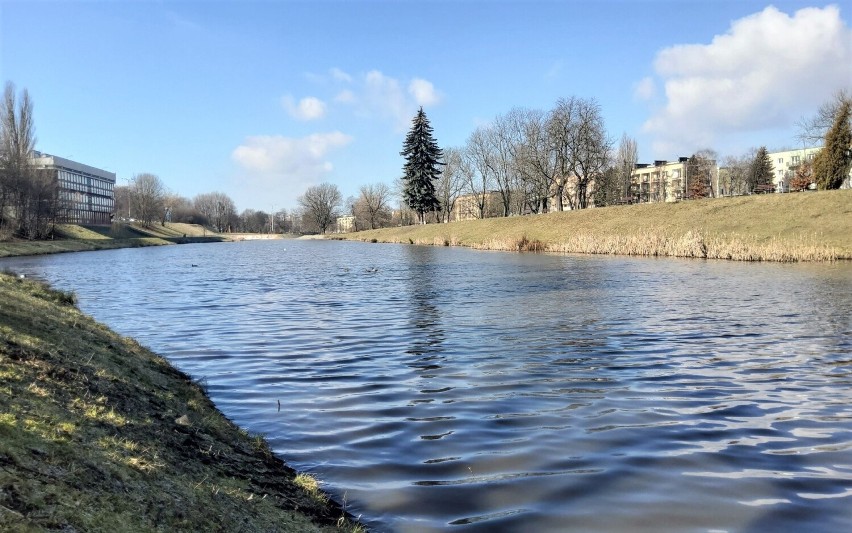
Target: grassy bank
[(99, 434), (812, 226), (73, 238)]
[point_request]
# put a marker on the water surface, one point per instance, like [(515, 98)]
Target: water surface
[(449, 389)]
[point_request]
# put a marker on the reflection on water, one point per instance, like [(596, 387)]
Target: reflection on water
[(440, 388)]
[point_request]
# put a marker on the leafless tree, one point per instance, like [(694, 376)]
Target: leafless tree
[(40, 205), (537, 162), (451, 184), (253, 221), (502, 143), (122, 201), (578, 135), (146, 198), (28, 199), (217, 208), (373, 204), (625, 161), (734, 174), (481, 180), (321, 203), (812, 130)]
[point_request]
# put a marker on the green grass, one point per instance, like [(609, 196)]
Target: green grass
[(812, 226), (99, 434)]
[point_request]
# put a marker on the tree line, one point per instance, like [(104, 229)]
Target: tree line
[(147, 201), (525, 161), (530, 161)]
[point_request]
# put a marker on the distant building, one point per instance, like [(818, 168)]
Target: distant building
[(467, 206), (86, 194), (345, 224), (668, 181), (785, 163)]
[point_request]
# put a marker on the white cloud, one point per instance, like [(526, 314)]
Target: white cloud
[(423, 92), (377, 95), (645, 89), (767, 71), (339, 75), (309, 108), (345, 97), (288, 165)]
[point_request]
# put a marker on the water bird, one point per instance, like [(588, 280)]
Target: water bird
[(371, 270), (194, 265)]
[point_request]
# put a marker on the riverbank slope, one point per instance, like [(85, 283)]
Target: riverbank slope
[(73, 238), (99, 434), (809, 226)]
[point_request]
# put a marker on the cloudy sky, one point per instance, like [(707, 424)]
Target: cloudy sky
[(261, 99)]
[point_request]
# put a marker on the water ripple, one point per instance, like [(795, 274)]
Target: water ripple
[(446, 389)]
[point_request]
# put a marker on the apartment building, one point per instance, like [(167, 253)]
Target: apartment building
[(785, 163), (669, 181), (346, 224), (467, 206), (86, 194)]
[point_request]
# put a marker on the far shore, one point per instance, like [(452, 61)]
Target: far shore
[(807, 226), (74, 238)]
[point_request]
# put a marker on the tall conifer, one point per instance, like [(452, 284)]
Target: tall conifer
[(422, 167), (760, 174), (831, 165)]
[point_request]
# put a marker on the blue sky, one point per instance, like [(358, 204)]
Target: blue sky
[(262, 99)]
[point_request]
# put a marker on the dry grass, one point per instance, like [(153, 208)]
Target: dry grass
[(813, 226), (73, 238), (99, 434)]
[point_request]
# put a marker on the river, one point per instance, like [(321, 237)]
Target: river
[(444, 389)]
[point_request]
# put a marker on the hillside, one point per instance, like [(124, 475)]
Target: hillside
[(810, 226), (74, 238), (99, 434)]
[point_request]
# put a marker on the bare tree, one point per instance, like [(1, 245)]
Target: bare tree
[(582, 148), (321, 203), (452, 181), (480, 181), (122, 201), (373, 203), (28, 199), (253, 221), (625, 161), (146, 197), (501, 144), (734, 174), (537, 161), (217, 208), (812, 130)]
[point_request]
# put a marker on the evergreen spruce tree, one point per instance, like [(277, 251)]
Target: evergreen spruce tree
[(422, 167), (760, 173), (831, 165)]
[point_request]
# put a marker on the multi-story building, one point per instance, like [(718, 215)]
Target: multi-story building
[(668, 181), (86, 194), (785, 163), (346, 224), (467, 206)]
